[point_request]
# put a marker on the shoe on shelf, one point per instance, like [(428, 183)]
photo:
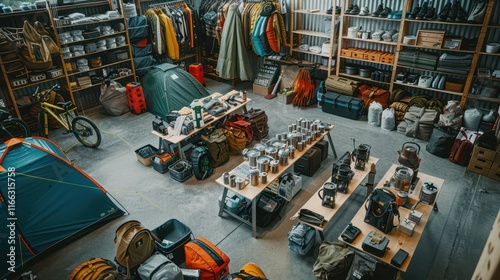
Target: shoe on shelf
[(477, 14), (330, 11), (431, 12), (385, 12), (445, 11), (355, 10), (337, 10), (364, 11), (396, 15), (348, 11), (423, 11), (452, 15), (377, 12), (415, 12)]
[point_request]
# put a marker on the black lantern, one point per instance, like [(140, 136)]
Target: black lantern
[(360, 156), (329, 191)]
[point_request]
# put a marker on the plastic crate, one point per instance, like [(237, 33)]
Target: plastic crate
[(181, 175), (145, 154), (162, 167), (173, 235)]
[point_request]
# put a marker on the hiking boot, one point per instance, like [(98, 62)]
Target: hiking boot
[(337, 10), (355, 10), (379, 10), (348, 11), (365, 11), (445, 11), (385, 12), (329, 11), (423, 11), (431, 12), (415, 12), (452, 15)]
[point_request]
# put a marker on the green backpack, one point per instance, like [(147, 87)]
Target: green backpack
[(218, 147), (201, 163), (334, 259)]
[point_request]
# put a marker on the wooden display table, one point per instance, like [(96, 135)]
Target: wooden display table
[(177, 139), (398, 240), (314, 203), (251, 192)]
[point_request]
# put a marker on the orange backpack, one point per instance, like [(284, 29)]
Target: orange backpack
[(203, 255), (94, 269)]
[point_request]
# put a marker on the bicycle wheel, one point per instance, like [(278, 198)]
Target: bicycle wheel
[(14, 128), (86, 131), (42, 130)]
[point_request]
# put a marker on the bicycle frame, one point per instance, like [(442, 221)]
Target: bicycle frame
[(49, 109)]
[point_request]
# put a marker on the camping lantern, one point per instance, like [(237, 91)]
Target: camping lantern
[(329, 192), (196, 106)]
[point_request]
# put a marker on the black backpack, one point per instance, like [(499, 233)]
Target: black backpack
[(201, 162)]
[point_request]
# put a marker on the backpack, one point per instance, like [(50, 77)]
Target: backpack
[(236, 138), (334, 260), (47, 37), (217, 145), (258, 122), (268, 208), (203, 255), (239, 122), (159, 267), (94, 269), (381, 208), (249, 271), (301, 238), (134, 244), (35, 53), (201, 163)]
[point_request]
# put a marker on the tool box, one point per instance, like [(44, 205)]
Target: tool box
[(342, 105)]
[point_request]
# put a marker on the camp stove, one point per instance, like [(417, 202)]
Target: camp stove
[(342, 173), (361, 155)]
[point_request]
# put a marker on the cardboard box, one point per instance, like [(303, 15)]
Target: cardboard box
[(473, 167), (494, 174), (262, 90), (430, 38), (483, 153), (407, 227), (286, 98)]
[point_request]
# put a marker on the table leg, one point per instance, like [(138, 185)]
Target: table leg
[(331, 144), (435, 208), (181, 152), (254, 217), (371, 180), (223, 202)]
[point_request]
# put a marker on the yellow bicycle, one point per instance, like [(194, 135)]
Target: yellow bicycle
[(65, 113)]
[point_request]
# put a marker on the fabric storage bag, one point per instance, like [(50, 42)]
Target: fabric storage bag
[(203, 255), (137, 28), (142, 63), (441, 141), (374, 114), (173, 235), (114, 98), (268, 208), (159, 267), (301, 238), (388, 119)]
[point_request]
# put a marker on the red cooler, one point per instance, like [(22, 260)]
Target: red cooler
[(136, 99), (196, 69)]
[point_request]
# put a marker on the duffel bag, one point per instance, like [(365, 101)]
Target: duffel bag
[(203, 255), (441, 141), (95, 268), (159, 267), (334, 260), (239, 122), (258, 122), (218, 147), (375, 94), (301, 238), (418, 123), (236, 139), (341, 85)]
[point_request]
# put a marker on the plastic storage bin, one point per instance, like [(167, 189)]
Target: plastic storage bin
[(174, 235), (161, 161), (145, 154), (181, 170)]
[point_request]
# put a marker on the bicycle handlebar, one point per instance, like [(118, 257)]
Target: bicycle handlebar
[(37, 95)]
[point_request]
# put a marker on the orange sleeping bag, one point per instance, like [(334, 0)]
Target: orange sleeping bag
[(203, 255)]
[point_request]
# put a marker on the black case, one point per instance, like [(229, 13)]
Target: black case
[(323, 146), (342, 105), (376, 249), (177, 233), (309, 163)]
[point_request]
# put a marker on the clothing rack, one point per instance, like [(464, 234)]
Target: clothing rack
[(166, 4)]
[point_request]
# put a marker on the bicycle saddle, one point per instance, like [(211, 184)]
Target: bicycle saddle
[(65, 104)]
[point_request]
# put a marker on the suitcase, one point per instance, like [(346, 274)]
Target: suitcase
[(341, 105), (323, 146), (308, 163), (342, 85), (203, 255)]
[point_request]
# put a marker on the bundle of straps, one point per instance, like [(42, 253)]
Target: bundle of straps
[(303, 87), (200, 162)]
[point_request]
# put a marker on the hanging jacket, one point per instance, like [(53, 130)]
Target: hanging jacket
[(271, 35), (257, 44), (263, 36), (170, 37), (157, 36)]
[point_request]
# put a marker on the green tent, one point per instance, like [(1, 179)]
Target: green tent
[(169, 88), (45, 200)]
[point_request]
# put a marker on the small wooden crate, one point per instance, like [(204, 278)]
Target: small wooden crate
[(368, 54), (430, 38), (358, 53), (387, 58), (374, 56), (347, 52)]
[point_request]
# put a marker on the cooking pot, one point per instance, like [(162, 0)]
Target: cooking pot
[(251, 155), (408, 156)]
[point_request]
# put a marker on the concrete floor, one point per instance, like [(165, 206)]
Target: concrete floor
[(449, 249)]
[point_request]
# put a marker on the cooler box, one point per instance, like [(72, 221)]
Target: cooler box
[(323, 146), (173, 235), (342, 105), (308, 163)]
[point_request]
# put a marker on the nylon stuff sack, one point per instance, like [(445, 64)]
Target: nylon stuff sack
[(333, 262), (218, 147), (114, 98), (159, 267), (35, 53), (94, 269), (134, 244)]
